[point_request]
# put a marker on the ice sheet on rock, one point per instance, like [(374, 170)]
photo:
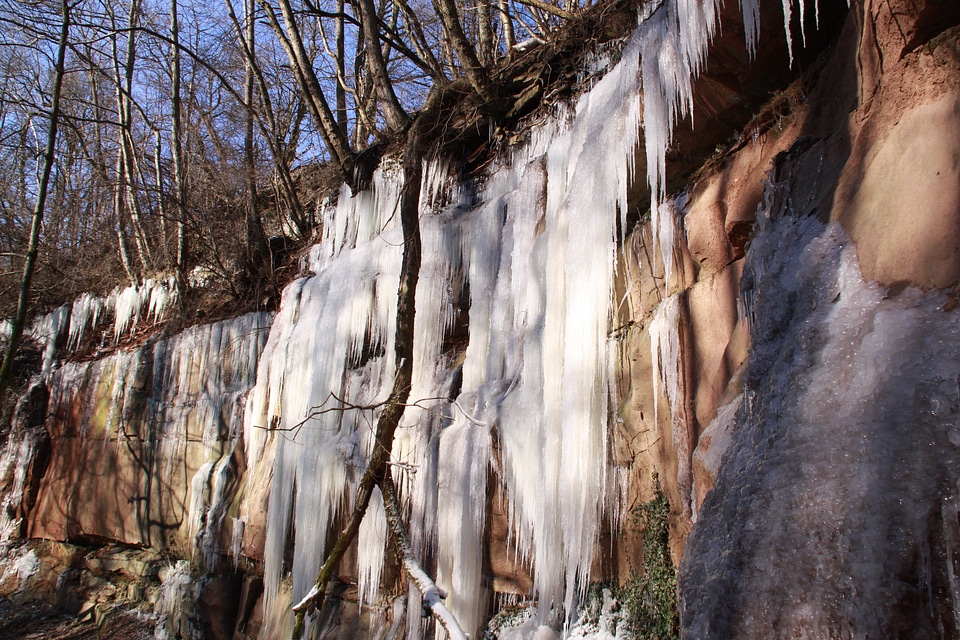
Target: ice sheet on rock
[(183, 391), (174, 607), (842, 459), (715, 441)]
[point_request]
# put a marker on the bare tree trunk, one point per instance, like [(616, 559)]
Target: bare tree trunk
[(256, 244), (485, 33), (161, 205), (366, 103), (123, 194), (337, 145), (506, 22), (176, 149), (341, 62), (475, 71), (393, 113), (127, 150), (33, 247), (118, 209)]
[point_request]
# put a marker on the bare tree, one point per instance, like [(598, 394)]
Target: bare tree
[(29, 264), (289, 36), (176, 147)]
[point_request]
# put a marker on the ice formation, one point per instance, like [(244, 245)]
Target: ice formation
[(20, 449), (150, 299), (674, 36), (530, 258), (85, 315), (47, 330), (174, 608), (534, 250), (667, 363), (842, 470), (332, 343), (68, 325)]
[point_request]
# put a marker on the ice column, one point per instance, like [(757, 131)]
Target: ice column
[(539, 256), (332, 343)]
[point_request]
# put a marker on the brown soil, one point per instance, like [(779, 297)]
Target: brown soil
[(35, 622)]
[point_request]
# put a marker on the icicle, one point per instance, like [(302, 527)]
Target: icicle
[(539, 258), (674, 42), (175, 603), (162, 296), (84, 316), (213, 512), (198, 498), (371, 548), (236, 539), (787, 15), (127, 310), (465, 450), (666, 357), (48, 330), (751, 26)]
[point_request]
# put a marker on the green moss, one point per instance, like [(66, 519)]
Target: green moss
[(650, 597)]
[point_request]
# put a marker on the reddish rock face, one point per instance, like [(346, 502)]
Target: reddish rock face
[(871, 136), (135, 439)]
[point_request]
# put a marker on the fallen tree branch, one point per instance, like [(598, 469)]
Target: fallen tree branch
[(433, 596)]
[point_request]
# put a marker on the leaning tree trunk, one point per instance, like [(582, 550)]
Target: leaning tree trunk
[(302, 66), (393, 113), (29, 265), (457, 40), (377, 473)]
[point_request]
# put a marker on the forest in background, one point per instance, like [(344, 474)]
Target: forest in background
[(191, 133), (194, 143)]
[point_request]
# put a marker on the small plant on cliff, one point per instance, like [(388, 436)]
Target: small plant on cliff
[(650, 597)]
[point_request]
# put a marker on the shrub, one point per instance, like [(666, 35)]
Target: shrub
[(650, 597)]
